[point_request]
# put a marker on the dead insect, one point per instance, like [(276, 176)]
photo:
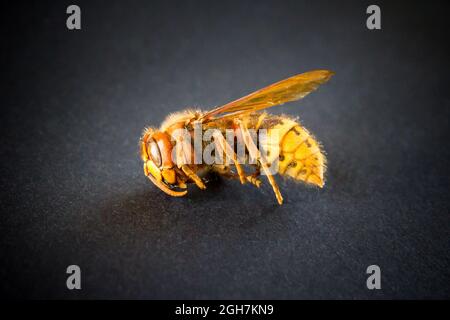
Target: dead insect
[(171, 159)]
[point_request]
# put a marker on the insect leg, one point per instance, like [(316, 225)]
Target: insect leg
[(260, 120), (225, 171), (225, 146), (191, 174), (254, 152), (253, 178)]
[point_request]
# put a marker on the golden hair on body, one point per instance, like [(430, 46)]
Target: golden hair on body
[(289, 145)]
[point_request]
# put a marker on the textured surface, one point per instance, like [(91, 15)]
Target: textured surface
[(72, 187)]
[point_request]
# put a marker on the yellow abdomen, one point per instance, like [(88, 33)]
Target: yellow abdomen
[(300, 155)]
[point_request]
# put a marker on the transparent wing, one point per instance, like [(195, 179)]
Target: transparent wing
[(291, 89)]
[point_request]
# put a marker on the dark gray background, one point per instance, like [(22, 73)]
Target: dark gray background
[(72, 187)]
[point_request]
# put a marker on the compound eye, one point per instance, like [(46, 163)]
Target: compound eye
[(155, 155)]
